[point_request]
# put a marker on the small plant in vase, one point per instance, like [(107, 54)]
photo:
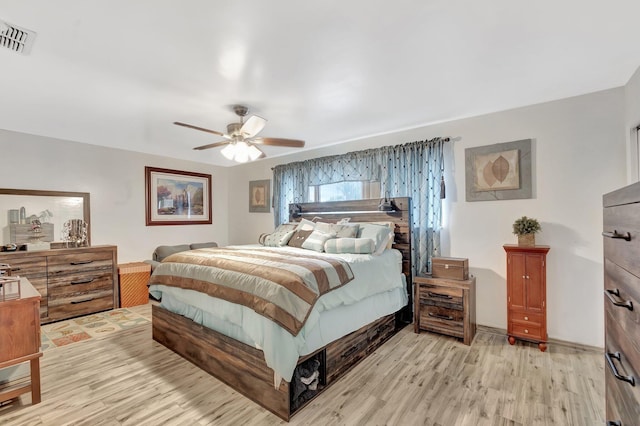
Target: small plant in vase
[(525, 228)]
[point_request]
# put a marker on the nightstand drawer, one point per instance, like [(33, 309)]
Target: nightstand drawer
[(439, 295), (445, 321)]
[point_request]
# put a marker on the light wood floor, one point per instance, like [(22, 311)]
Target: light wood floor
[(426, 379)]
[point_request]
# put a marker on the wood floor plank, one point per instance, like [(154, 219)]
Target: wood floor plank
[(425, 379)]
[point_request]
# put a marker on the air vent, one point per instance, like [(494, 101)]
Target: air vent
[(15, 38)]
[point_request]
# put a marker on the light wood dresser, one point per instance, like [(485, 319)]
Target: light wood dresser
[(527, 294), (20, 340), (445, 306), (621, 241), (71, 281)]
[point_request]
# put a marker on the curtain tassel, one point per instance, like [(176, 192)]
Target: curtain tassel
[(442, 188)]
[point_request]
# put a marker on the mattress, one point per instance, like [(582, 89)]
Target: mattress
[(378, 289)]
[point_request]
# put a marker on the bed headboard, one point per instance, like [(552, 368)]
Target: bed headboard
[(367, 211)]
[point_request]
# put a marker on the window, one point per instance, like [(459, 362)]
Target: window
[(347, 190)]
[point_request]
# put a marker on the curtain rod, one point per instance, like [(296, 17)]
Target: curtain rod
[(447, 139)]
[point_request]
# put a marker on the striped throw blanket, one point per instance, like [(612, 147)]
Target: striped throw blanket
[(275, 284)]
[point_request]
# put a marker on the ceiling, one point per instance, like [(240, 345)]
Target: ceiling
[(118, 73)]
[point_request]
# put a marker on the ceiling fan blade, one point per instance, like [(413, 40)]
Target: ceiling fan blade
[(191, 126), (211, 145), (292, 143), (253, 126)]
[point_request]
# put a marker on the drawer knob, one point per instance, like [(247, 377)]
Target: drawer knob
[(526, 318), (526, 331)]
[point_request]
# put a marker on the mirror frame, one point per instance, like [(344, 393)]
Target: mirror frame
[(86, 211)]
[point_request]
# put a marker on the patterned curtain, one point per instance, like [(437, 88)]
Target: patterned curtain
[(415, 170), (409, 170)]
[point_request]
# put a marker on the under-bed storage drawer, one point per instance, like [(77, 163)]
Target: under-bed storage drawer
[(348, 351)]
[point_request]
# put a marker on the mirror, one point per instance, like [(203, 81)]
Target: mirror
[(53, 209)]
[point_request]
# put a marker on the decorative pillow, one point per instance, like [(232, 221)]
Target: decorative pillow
[(381, 234), (350, 245), (305, 225), (280, 237), (298, 238), (341, 230), (316, 240), (392, 227)]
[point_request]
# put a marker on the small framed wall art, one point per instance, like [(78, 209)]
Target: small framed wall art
[(498, 172), (260, 196), (174, 197)]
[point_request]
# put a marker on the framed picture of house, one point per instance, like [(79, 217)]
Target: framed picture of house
[(175, 197), (260, 196), (498, 172)]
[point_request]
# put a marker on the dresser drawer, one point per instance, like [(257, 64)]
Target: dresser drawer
[(442, 296), (29, 267), (81, 304), (621, 395), (80, 262), (623, 220), (80, 283), (343, 354)]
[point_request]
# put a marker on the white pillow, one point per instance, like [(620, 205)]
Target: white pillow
[(381, 234), (316, 240), (305, 225), (350, 245), (341, 231)]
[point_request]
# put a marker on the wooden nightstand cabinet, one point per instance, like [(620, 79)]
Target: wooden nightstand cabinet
[(20, 340), (445, 306), (527, 294)]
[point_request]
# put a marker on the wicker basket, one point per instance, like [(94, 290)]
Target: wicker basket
[(133, 283), (527, 240)]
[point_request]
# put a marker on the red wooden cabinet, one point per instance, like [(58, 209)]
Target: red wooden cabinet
[(527, 294)]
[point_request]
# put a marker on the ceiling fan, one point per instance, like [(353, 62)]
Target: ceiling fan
[(240, 138)]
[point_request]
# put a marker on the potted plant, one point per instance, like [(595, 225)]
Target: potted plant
[(525, 228)]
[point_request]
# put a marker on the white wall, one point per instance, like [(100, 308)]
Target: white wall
[(578, 155), (115, 180)]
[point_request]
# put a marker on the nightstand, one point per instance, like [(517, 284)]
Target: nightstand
[(445, 306), (20, 340)]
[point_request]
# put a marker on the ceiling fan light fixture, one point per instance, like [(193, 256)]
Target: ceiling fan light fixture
[(242, 152), (254, 153), (229, 151)]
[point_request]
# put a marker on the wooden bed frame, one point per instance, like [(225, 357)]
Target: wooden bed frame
[(243, 367)]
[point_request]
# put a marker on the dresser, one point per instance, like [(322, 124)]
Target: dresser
[(71, 281), (20, 340), (527, 294), (445, 306), (621, 243)]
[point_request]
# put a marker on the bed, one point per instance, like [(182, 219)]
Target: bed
[(266, 350)]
